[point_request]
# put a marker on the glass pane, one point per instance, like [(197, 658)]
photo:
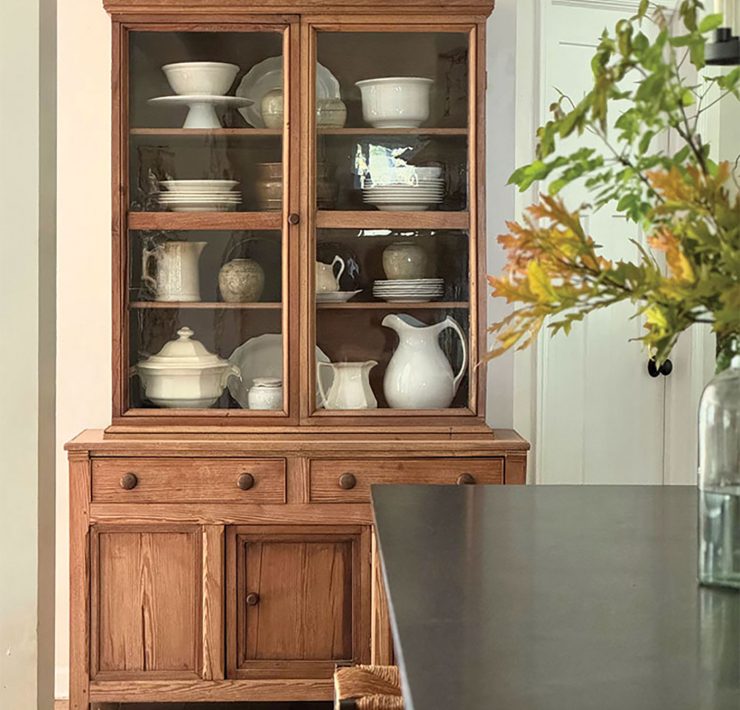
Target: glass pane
[(196, 103), (391, 121), (391, 296), (226, 288)]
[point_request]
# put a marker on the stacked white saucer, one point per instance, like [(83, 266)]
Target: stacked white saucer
[(405, 189), (199, 195), (419, 290)]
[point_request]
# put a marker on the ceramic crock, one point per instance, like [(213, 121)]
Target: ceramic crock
[(266, 393), (184, 374)]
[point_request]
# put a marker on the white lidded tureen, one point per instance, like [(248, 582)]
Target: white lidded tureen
[(184, 374)]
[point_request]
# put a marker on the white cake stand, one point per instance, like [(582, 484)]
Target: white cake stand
[(202, 113)]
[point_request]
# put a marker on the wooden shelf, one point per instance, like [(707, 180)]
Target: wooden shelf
[(207, 132), (205, 305), (392, 131), (377, 219), (386, 306), (205, 220)]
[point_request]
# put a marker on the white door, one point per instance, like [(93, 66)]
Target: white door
[(598, 416)]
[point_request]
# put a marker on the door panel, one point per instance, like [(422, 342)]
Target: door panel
[(146, 602), (295, 604), (602, 415)]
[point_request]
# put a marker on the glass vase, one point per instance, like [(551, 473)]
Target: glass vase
[(719, 479)]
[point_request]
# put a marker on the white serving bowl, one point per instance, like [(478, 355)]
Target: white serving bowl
[(205, 78), (395, 101), (207, 186)]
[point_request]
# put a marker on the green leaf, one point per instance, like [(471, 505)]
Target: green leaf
[(710, 22)]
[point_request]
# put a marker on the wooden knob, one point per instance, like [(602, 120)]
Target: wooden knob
[(253, 599), (347, 481), (294, 218), (465, 479), (129, 481), (245, 481)]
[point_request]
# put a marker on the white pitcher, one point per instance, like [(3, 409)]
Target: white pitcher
[(326, 281), (176, 270), (350, 388), (419, 376)]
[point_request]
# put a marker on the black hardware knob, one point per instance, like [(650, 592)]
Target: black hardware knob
[(465, 479), (294, 218), (665, 368), (245, 481), (129, 481), (347, 481), (253, 599)]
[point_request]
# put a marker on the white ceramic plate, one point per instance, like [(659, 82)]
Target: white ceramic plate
[(200, 185), (209, 198), (202, 208), (267, 76), (336, 296), (262, 356)]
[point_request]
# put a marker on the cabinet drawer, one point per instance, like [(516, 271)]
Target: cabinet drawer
[(349, 481), (175, 480)]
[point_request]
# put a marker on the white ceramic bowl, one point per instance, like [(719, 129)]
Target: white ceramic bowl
[(395, 101), (205, 78)]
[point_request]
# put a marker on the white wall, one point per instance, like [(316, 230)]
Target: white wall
[(27, 293), (84, 258)]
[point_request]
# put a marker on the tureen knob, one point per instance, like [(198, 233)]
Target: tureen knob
[(185, 333)]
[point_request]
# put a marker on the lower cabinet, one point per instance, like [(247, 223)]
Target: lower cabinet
[(146, 601), (295, 606), (292, 595)]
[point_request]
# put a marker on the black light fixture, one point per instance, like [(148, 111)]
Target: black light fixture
[(725, 50)]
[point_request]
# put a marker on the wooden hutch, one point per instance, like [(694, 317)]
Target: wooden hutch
[(226, 553)]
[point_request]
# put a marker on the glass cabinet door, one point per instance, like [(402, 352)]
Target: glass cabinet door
[(393, 286), (204, 192)]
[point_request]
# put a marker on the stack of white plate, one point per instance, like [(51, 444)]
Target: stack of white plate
[(199, 195), (419, 290), (424, 195)]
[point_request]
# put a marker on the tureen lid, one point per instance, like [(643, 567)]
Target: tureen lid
[(183, 352)]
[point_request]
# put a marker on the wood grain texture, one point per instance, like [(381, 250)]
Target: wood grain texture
[(381, 637), (516, 469), (341, 7), (366, 219), (205, 220), (79, 581), (213, 642), (336, 443), (264, 690), (146, 599), (326, 474), (309, 614), (177, 480)]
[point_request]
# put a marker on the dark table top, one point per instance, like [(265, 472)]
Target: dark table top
[(554, 597)]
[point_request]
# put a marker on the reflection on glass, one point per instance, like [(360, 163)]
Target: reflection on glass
[(401, 145), (206, 305)]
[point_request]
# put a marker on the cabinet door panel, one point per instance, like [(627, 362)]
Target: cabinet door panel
[(146, 602), (297, 602), (305, 607)]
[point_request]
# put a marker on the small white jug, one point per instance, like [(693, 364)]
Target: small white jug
[(176, 270), (326, 281), (350, 388)]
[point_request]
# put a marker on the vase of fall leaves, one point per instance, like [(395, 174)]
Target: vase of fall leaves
[(646, 82)]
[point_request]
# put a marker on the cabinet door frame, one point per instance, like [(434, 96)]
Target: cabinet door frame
[(474, 27), (196, 533), (358, 536), (124, 222)]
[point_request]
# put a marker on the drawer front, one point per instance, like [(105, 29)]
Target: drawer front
[(349, 481), (176, 480)]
